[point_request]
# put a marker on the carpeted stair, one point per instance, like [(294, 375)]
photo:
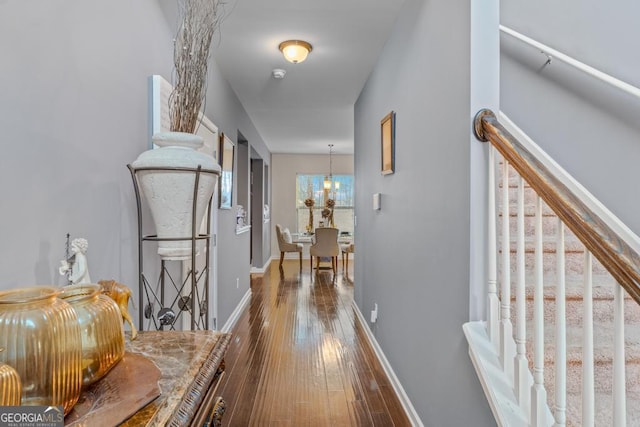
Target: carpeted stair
[(603, 288)]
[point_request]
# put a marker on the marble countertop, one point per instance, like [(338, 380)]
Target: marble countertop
[(188, 362)]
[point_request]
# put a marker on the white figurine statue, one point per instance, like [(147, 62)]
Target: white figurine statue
[(77, 263)]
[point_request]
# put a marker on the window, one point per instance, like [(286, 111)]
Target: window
[(312, 186)]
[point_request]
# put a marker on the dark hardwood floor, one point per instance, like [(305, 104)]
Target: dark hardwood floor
[(299, 357)]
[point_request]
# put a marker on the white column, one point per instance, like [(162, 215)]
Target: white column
[(588, 398), (493, 305), (484, 66), (619, 394), (560, 412), (538, 392), (507, 344), (522, 382)]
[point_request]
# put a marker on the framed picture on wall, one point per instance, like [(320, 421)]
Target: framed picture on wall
[(388, 143), (227, 151)]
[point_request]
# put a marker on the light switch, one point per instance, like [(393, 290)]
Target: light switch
[(376, 201)]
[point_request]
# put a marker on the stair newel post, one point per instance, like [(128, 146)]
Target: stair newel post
[(493, 304), (560, 363), (588, 397), (522, 383), (507, 345), (538, 392), (619, 393)]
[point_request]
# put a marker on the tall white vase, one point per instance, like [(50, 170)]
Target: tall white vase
[(169, 193)]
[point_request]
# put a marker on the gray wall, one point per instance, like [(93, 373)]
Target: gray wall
[(225, 110), (413, 254), (590, 128), (74, 113)]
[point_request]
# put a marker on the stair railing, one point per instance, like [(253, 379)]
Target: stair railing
[(603, 236)]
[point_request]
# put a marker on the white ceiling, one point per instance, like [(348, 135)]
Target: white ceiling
[(313, 105)]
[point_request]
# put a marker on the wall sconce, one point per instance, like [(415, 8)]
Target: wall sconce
[(295, 51)]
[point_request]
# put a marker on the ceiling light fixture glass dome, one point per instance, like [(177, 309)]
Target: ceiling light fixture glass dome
[(295, 51)]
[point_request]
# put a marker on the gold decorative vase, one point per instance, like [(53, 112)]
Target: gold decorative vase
[(41, 338), (10, 386), (101, 328)]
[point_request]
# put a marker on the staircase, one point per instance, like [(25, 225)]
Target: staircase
[(603, 302), (519, 360)]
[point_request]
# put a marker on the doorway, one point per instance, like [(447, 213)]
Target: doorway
[(257, 210)]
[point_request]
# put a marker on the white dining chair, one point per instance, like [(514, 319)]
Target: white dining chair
[(325, 244)]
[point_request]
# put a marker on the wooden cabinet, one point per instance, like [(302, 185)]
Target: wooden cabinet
[(190, 365)]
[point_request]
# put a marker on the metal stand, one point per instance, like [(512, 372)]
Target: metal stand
[(195, 302)]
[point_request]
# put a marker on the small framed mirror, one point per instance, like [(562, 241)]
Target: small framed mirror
[(227, 151)]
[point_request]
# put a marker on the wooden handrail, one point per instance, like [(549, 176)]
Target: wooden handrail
[(620, 259)]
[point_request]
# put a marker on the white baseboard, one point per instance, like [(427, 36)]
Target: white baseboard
[(233, 319), (261, 270), (402, 395)]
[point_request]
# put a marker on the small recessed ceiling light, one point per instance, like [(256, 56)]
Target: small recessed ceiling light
[(278, 73), (295, 51)]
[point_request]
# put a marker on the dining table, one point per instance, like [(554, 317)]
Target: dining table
[(307, 238)]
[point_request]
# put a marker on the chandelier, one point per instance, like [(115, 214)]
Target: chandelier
[(328, 180)]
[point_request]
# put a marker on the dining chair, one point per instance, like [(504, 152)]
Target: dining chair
[(285, 243), (325, 244), (347, 249)]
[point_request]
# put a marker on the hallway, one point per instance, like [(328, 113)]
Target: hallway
[(299, 357)]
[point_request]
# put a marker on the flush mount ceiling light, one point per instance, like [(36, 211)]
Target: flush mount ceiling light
[(295, 51)]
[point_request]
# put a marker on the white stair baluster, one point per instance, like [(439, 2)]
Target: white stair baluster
[(493, 305), (619, 394), (588, 397), (507, 345), (560, 412), (538, 392), (522, 382)]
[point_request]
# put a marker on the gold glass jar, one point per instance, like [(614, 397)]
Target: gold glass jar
[(101, 327), (41, 338), (10, 386)]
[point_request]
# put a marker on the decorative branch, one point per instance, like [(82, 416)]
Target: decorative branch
[(330, 204), (309, 202), (191, 56)]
